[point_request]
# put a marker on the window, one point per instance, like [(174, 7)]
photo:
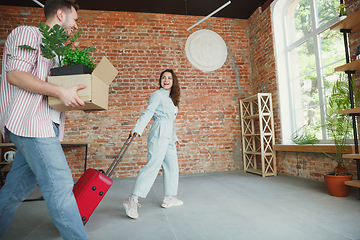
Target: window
[(310, 51)]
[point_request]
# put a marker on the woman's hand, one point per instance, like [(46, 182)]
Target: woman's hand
[(177, 143), (132, 133)]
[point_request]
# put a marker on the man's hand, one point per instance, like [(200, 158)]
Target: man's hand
[(69, 97)]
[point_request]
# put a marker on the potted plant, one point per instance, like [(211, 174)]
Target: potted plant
[(54, 39), (342, 11), (339, 127)]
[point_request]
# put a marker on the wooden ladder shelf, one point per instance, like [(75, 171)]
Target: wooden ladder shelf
[(258, 137)]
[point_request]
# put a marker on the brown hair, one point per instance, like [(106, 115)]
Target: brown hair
[(51, 6), (175, 89)]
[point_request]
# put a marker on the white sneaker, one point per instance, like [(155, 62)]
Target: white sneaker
[(131, 208), (172, 202)]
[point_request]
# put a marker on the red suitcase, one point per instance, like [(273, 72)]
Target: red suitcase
[(90, 189)]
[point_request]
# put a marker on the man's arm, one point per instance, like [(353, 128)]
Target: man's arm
[(28, 82)]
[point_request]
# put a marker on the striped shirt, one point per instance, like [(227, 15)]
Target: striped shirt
[(22, 112)]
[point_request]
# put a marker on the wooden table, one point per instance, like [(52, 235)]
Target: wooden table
[(63, 144)]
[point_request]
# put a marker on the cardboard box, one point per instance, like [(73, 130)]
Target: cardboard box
[(95, 95)]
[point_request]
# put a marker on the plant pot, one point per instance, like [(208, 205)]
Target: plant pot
[(336, 184), (70, 70)]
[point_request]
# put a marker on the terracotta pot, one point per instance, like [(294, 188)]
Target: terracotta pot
[(336, 184)]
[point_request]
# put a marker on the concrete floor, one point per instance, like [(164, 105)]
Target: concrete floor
[(220, 206)]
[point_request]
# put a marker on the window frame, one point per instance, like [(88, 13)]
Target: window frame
[(282, 55)]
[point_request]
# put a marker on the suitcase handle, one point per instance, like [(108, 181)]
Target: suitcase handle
[(120, 155)]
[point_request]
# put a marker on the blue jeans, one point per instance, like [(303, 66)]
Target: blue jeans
[(41, 161)]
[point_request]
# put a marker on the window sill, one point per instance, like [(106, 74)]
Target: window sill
[(328, 148)]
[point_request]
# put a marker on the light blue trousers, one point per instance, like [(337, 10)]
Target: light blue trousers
[(156, 157), (42, 161)]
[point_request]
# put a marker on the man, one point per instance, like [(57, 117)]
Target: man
[(35, 128)]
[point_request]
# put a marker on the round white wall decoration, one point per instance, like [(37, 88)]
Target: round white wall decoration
[(206, 50)]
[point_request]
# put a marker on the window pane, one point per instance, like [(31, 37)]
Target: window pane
[(303, 59), (308, 96), (334, 121), (332, 47), (327, 10), (330, 77), (299, 20), (309, 117)]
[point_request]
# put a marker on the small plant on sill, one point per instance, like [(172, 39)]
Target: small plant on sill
[(54, 46), (304, 136), (342, 10)]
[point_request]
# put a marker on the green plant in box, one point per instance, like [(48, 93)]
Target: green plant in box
[(53, 45), (75, 56)]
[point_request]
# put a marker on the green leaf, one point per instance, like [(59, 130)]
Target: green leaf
[(73, 39), (27, 47), (88, 49), (46, 53), (53, 45)]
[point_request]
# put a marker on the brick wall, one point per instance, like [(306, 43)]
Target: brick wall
[(262, 61), (308, 165), (140, 46), (354, 38)]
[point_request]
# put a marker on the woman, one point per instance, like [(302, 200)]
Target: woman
[(162, 142)]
